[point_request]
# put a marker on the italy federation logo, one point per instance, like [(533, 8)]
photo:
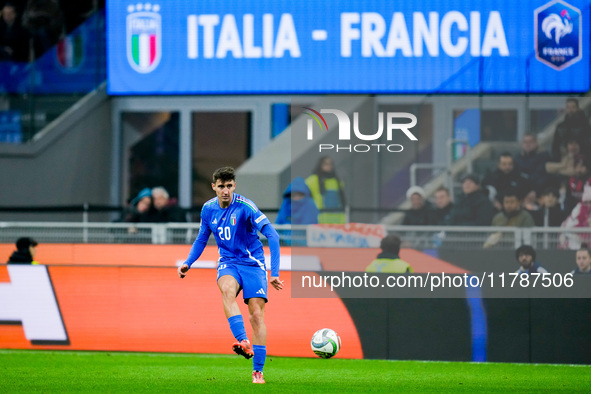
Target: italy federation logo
[(70, 51), (144, 37), (233, 219), (558, 34)]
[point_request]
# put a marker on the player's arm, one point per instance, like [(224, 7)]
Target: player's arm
[(273, 238), (196, 249)]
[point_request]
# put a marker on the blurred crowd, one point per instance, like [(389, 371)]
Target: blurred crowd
[(28, 28), (533, 188)]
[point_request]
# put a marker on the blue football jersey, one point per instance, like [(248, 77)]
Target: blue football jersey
[(235, 230)]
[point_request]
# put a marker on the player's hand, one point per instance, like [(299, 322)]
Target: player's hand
[(182, 270), (276, 283)]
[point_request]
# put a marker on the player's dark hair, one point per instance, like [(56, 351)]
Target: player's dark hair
[(224, 174), (391, 244), (525, 249)]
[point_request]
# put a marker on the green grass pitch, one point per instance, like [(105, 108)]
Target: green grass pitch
[(66, 371)]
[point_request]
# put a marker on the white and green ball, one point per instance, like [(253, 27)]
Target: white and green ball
[(326, 343)]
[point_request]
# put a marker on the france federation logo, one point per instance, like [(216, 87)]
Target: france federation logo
[(144, 37), (558, 34)]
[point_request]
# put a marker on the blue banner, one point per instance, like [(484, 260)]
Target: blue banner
[(466, 128), (354, 46), (10, 127), (77, 64)]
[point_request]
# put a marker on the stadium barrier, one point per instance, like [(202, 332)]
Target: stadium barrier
[(416, 237)]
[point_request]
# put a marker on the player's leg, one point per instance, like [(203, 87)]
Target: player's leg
[(256, 312), (256, 315), (230, 287), (254, 283)]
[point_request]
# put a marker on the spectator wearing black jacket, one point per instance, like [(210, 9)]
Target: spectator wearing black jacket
[(419, 213), (26, 248), (505, 178), (575, 123), (441, 213), (473, 208), (551, 213), (14, 38), (531, 163), (164, 209)]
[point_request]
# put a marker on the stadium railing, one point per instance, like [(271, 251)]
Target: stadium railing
[(416, 237)]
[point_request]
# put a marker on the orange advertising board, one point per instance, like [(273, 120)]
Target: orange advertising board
[(150, 309)]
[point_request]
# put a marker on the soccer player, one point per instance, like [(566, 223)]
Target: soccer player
[(234, 221)]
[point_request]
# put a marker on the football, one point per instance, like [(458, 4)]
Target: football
[(326, 343)]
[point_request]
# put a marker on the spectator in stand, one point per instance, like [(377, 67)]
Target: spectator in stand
[(512, 215), (531, 163), (576, 123), (441, 213), (26, 249), (140, 207), (562, 171), (328, 191), (163, 209), (572, 157), (420, 209), (389, 259), (506, 177), (576, 184), (583, 260), (526, 257), (473, 208), (580, 217), (551, 213), (14, 38), (140, 210), (530, 201), (297, 207), (45, 22)]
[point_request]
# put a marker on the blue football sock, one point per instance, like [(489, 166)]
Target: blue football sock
[(260, 353), (237, 327)]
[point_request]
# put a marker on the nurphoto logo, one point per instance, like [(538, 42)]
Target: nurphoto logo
[(395, 122)]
